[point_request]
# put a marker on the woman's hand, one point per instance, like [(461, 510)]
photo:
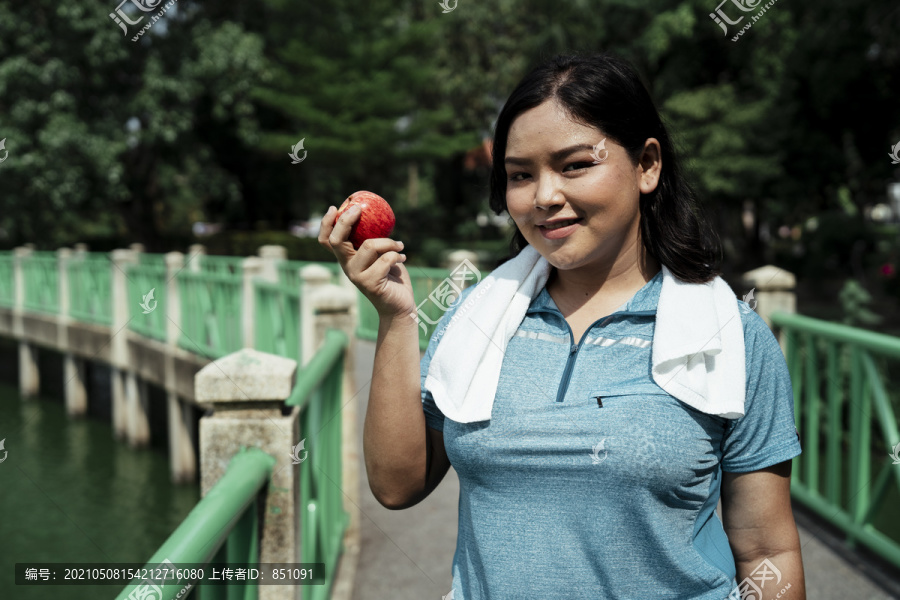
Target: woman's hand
[(376, 268)]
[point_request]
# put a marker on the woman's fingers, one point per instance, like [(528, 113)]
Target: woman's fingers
[(341, 231), (379, 270), (326, 226), (370, 251), (335, 235)]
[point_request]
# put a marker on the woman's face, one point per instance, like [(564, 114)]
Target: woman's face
[(596, 203)]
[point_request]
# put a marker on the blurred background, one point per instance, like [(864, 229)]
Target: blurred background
[(183, 135), (120, 127)]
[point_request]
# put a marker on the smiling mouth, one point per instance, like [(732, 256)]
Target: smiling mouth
[(559, 224)]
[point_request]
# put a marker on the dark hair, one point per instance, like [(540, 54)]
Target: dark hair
[(604, 91)]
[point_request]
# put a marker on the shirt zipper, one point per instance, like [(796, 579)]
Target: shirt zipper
[(573, 350)]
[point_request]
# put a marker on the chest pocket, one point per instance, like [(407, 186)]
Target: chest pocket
[(623, 396)]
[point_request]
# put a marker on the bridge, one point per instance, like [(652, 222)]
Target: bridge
[(277, 354)]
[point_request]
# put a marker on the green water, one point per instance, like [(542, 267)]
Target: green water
[(70, 493)]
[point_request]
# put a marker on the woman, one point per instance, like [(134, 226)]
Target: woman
[(589, 480)]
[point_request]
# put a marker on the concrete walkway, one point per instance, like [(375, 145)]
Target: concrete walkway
[(408, 554)]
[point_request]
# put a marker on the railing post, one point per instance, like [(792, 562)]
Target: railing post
[(251, 268), (334, 306), (271, 255), (247, 390), (196, 252), (119, 355), (455, 257), (312, 278), (773, 290), (73, 366), (182, 445), (29, 376)]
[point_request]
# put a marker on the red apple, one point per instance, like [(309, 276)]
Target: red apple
[(376, 219)]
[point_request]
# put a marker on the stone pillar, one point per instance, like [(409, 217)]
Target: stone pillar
[(463, 265), (174, 263), (182, 445), (334, 307), (312, 278), (119, 355), (251, 268), (455, 257), (773, 290), (271, 256), (247, 390), (196, 252), (76, 390), (73, 366), (29, 376), (137, 425), (117, 391)]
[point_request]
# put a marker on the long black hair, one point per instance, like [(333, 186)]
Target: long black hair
[(604, 91)]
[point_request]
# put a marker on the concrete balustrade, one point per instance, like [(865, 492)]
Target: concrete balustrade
[(246, 390), (73, 366), (773, 290), (29, 380), (334, 306), (196, 252), (182, 445), (251, 268), (137, 362), (312, 278)]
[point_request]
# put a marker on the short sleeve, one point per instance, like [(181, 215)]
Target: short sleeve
[(434, 418), (766, 435)]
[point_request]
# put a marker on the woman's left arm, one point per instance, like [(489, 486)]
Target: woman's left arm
[(757, 516)]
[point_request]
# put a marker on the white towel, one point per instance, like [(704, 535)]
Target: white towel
[(698, 342)]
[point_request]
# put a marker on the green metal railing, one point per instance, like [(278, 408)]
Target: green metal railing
[(846, 406), (289, 270), (211, 306), (40, 272), (7, 281), (222, 528), (146, 289), (90, 299), (210, 313), (221, 265), (318, 393), (277, 319)]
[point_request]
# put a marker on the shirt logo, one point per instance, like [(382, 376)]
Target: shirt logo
[(596, 457)]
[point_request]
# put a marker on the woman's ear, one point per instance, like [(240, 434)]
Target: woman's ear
[(650, 166)]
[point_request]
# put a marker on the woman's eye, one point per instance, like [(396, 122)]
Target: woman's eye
[(585, 164), (515, 175)]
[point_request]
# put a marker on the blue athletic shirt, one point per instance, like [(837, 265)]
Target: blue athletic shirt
[(589, 481)]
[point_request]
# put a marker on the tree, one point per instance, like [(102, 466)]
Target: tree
[(109, 136)]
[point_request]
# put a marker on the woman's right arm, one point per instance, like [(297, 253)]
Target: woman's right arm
[(405, 459)]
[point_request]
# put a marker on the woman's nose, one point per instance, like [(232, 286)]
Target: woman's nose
[(549, 193)]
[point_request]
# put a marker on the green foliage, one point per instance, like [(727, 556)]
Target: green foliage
[(795, 117), (855, 302), (247, 243), (70, 83)]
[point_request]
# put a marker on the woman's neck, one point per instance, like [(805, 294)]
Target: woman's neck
[(574, 289)]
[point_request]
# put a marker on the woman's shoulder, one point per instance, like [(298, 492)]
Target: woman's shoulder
[(758, 336)]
